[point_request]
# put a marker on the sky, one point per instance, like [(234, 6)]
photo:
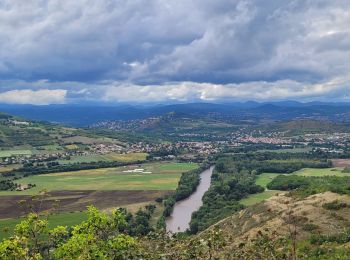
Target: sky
[(162, 51)]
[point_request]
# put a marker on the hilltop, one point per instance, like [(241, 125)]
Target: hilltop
[(275, 214), (268, 229), (85, 115)]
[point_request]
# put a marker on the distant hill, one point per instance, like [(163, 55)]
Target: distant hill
[(22, 134), (84, 115), (305, 126)]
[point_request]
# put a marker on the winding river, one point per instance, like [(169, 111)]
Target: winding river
[(181, 216)]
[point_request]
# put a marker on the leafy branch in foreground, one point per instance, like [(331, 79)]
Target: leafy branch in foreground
[(97, 237)]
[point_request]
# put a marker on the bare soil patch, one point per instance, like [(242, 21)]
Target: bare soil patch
[(341, 162), (19, 205)]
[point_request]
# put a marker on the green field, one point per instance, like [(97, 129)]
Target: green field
[(163, 176), (62, 219), (289, 150), (309, 172), (129, 157), (9, 153), (84, 159), (262, 180), (265, 178), (256, 198)]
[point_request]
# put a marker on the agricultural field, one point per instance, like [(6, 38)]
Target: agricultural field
[(262, 180), (125, 158), (79, 139), (309, 172), (289, 150), (7, 168), (155, 176), (256, 198), (73, 218), (62, 219), (128, 157), (265, 178), (130, 187), (341, 162), (9, 153)]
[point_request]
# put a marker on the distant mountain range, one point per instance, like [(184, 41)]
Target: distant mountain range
[(84, 115)]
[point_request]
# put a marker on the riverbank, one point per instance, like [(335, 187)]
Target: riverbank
[(180, 217)]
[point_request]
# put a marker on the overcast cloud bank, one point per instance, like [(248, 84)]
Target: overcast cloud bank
[(145, 51)]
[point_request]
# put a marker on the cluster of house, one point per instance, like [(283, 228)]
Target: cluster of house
[(34, 158), (264, 140), (187, 147), (106, 148), (127, 125)]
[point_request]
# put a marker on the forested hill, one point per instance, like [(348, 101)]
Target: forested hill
[(84, 115), (19, 134)]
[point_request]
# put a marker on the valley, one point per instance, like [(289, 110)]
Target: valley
[(151, 169)]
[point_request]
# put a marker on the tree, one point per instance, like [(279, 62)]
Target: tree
[(96, 238)]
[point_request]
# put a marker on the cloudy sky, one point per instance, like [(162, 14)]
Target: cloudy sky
[(60, 51)]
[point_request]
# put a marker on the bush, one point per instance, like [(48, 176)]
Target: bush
[(335, 205)]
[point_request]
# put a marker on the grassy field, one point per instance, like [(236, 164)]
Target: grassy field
[(7, 168), (262, 180), (130, 157), (62, 219), (8, 153), (163, 176), (68, 219), (265, 178), (256, 198), (309, 172), (71, 146), (84, 159), (290, 150)]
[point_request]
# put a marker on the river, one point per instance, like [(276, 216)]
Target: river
[(181, 216)]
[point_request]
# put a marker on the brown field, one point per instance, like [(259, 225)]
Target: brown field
[(341, 162), (75, 200)]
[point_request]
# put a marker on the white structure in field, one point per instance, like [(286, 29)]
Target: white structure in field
[(137, 170)]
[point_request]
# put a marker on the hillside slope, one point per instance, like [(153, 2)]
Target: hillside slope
[(283, 216), (18, 133)]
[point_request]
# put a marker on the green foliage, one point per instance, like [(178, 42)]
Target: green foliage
[(340, 238), (139, 223), (291, 182), (8, 185), (187, 185), (335, 205), (54, 168), (310, 185), (98, 237), (260, 162), (222, 198), (310, 227), (346, 170), (13, 249), (228, 186), (234, 179)]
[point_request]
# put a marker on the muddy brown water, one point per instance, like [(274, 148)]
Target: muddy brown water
[(181, 216)]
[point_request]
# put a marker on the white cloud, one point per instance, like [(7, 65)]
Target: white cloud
[(34, 97), (159, 41), (105, 50), (257, 90)]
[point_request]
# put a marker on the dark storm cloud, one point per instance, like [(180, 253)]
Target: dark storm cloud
[(100, 49)]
